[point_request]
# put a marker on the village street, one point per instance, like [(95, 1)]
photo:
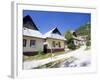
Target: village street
[(81, 54)]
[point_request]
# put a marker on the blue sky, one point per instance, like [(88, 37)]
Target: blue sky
[(46, 20)]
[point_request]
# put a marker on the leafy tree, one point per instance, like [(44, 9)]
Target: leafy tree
[(71, 46), (70, 43), (68, 35)]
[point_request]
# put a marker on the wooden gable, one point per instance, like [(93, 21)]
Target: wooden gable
[(28, 23), (56, 31)]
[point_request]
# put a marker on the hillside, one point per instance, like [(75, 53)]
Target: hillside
[(84, 30)]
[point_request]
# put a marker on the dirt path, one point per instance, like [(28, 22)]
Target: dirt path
[(80, 53)]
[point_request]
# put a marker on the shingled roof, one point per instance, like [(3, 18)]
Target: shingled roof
[(54, 33), (28, 23), (30, 29)]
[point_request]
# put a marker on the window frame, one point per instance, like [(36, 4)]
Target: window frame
[(31, 43), (24, 42), (59, 44), (54, 44)]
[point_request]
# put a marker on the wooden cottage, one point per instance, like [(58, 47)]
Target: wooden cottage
[(32, 37), (78, 40), (54, 41)]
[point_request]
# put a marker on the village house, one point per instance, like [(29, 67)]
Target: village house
[(78, 40), (32, 37), (34, 41), (54, 41)]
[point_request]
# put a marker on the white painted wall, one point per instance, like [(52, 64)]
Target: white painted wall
[(49, 41), (38, 45)]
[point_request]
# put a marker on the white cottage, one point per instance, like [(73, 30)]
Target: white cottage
[(78, 40), (54, 41), (32, 37)]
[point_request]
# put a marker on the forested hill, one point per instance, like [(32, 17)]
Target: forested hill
[(84, 30)]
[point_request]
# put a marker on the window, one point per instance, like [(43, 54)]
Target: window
[(24, 42), (59, 44), (32, 43), (53, 43)]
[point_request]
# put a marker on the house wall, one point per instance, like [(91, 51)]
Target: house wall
[(28, 50), (56, 48), (77, 42)]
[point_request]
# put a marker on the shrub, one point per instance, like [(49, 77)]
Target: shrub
[(40, 52), (88, 43), (71, 46)]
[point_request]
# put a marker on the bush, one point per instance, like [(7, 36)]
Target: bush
[(88, 43), (71, 46), (40, 52)]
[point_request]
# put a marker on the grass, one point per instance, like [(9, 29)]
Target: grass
[(41, 56), (44, 56), (36, 57)]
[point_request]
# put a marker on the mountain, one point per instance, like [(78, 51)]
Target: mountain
[(84, 30)]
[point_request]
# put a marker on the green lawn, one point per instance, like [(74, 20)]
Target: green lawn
[(41, 56)]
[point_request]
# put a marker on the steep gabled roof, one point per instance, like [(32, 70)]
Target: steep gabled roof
[(30, 29), (28, 23), (54, 33)]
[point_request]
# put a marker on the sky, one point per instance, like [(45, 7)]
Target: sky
[(64, 21)]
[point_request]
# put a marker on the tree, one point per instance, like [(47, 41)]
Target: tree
[(68, 35), (70, 43), (71, 46)]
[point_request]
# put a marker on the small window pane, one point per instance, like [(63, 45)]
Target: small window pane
[(59, 44), (53, 43), (24, 42), (32, 43)]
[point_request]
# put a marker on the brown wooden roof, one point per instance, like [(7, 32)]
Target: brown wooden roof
[(28, 23)]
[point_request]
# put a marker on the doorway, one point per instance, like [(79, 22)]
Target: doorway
[(45, 48)]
